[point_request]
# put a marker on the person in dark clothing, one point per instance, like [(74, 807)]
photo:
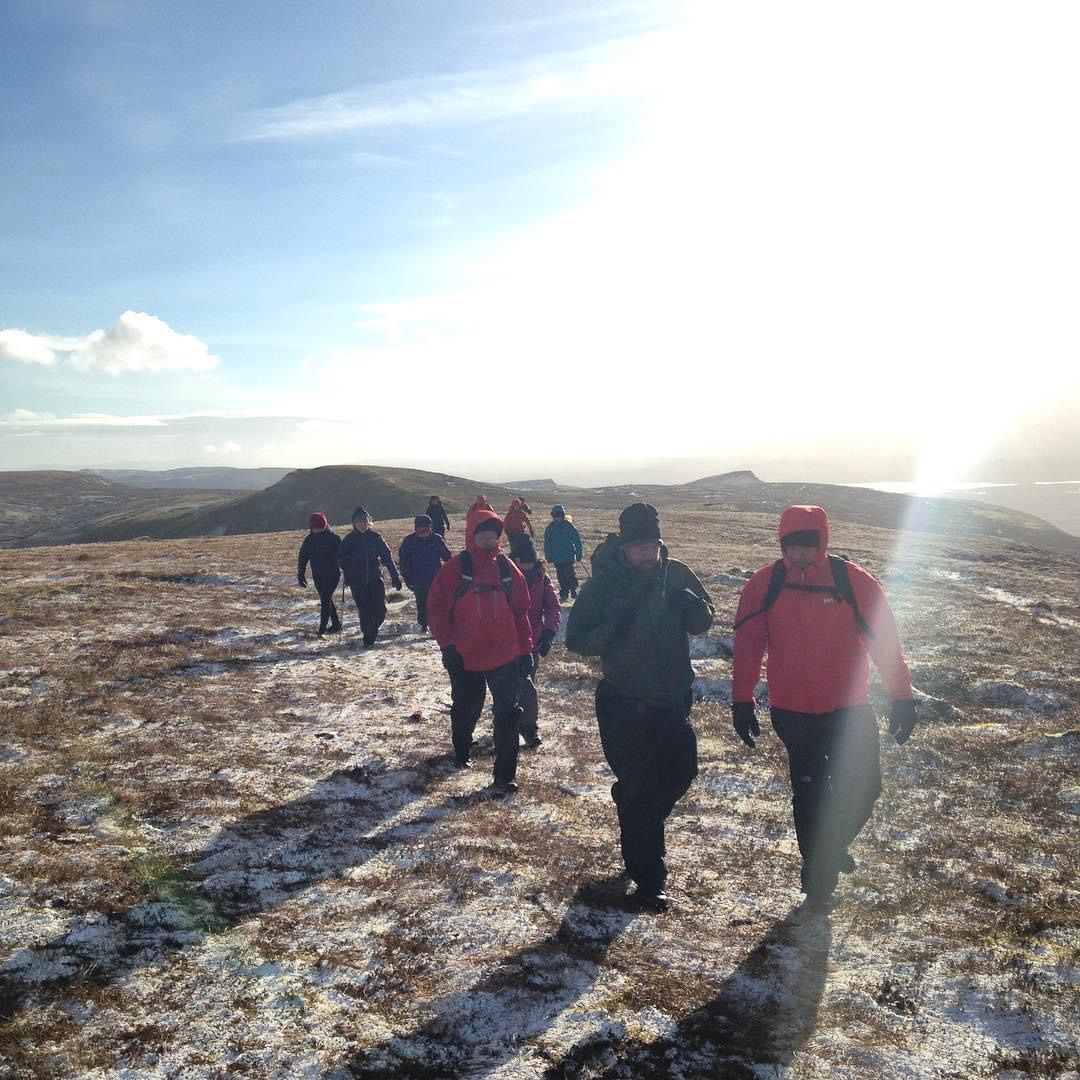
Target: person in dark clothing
[(419, 557), (820, 639), (479, 611), (562, 548), (440, 523), (545, 616), (635, 613), (320, 548), (359, 557)]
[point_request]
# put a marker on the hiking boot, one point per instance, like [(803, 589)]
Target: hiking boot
[(462, 763), (573, 594), (334, 629), (320, 632), (647, 900), (532, 742), (817, 905), (500, 791)]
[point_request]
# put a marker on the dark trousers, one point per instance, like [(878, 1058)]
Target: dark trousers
[(835, 781), (328, 613), (467, 690), (530, 703), (370, 599), (567, 576), (652, 750), (420, 592)]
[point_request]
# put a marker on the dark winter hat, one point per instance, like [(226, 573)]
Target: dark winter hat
[(421, 521), (802, 538), (318, 521), (489, 524), (522, 549), (639, 521), (558, 511), (359, 513)]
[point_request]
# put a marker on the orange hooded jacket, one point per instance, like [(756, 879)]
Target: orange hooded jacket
[(517, 521), (817, 659), (487, 628)]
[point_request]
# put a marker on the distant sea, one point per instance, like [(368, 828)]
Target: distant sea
[(1056, 501)]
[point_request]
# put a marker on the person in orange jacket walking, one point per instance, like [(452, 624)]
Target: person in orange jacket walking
[(821, 620), (478, 612)]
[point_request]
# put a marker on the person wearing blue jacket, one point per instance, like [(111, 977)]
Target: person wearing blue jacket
[(421, 554), (359, 557), (562, 548)]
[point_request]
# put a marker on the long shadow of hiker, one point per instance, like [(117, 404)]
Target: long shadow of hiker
[(479, 1029), (252, 865), (764, 1013)]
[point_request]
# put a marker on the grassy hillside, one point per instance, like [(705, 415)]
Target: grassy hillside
[(230, 847)]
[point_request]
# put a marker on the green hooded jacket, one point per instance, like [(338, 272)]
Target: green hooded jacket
[(637, 623)]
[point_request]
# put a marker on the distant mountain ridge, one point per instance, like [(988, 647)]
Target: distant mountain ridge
[(59, 508), (202, 478)]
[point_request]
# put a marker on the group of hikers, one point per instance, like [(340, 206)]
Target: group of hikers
[(818, 618)]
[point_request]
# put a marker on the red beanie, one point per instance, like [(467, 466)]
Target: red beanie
[(317, 522)]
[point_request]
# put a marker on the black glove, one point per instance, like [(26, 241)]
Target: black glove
[(525, 665), (744, 721), (452, 659), (901, 720), (546, 638), (301, 581)]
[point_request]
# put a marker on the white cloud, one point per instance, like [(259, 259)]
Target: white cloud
[(23, 418), (136, 342), (613, 70), (224, 448)]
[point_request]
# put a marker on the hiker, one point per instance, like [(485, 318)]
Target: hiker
[(545, 615), (359, 557), (478, 610), (818, 617), (440, 523), (517, 520), (421, 554), (562, 548), (320, 548), (635, 613), (480, 504)]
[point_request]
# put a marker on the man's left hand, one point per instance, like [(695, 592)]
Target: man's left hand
[(902, 720)]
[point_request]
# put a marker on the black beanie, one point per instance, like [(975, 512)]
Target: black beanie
[(489, 524), (360, 512), (522, 549), (802, 538), (640, 521)]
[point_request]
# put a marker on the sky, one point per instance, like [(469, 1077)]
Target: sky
[(579, 240)]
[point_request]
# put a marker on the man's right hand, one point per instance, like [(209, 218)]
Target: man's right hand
[(744, 721), (452, 659)]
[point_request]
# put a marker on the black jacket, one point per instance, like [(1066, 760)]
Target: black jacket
[(320, 549), (437, 512), (359, 557)]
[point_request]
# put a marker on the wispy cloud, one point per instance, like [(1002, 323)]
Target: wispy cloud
[(610, 71), (136, 342), (27, 418), (224, 449)]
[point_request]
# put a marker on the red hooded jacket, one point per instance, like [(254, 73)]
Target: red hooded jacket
[(516, 520), (486, 627), (817, 659)]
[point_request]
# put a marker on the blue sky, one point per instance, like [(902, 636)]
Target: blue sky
[(547, 237)]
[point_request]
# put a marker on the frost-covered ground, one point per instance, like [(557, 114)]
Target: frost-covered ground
[(231, 847)]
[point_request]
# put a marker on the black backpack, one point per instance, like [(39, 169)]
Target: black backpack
[(467, 576), (841, 589)]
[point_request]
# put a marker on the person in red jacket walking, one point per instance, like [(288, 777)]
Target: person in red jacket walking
[(545, 615), (821, 620), (517, 520), (478, 612)]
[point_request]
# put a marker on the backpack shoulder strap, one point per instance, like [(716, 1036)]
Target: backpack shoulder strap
[(505, 575), (776, 583), (466, 575), (842, 580)]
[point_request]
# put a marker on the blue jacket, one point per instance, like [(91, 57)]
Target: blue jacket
[(562, 544), (421, 557), (359, 557)]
